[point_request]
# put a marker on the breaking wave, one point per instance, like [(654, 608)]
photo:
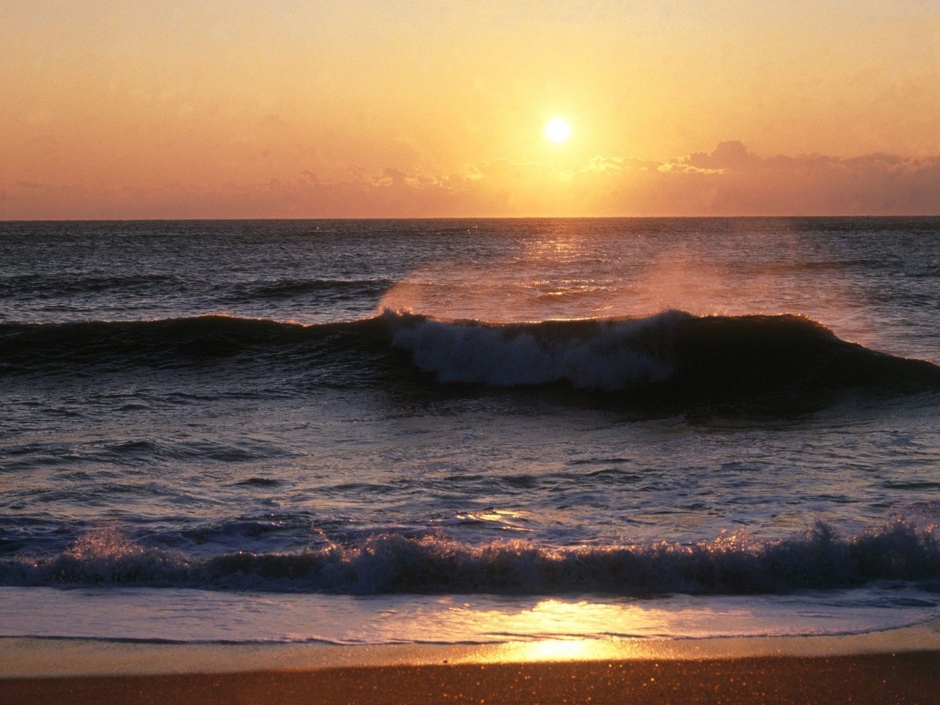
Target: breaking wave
[(606, 355), (395, 563), (672, 357), (673, 354)]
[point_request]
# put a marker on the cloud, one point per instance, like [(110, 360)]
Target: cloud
[(730, 180), (605, 165), (733, 181), (727, 156)]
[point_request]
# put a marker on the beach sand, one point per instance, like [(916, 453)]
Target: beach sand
[(899, 678), (859, 669)]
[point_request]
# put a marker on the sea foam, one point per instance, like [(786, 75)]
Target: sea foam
[(612, 356), (391, 562)]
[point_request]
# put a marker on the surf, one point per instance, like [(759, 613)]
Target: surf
[(673, 358), (393, 562)]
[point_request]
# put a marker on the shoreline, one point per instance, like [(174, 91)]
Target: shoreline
[(895, 666), (32, 657)]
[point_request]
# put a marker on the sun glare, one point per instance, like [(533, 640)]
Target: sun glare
[(558, 130)]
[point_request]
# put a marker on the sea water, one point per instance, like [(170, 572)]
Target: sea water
[(454, 431)]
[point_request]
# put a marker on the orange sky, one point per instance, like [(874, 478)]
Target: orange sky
[(307, 108)]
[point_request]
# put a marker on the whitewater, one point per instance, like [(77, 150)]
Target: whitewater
[(371, 432)]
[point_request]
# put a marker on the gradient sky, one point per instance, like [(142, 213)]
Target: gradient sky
[(308, 108)]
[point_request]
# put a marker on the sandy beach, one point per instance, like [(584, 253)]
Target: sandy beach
[(900, 666), (886, 678)]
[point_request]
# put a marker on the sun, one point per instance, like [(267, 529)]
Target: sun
[(558, 130)]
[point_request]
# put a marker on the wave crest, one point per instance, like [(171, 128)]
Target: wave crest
[(611, 356), (673, 359), (674, 356)]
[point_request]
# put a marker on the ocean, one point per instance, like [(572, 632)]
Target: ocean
[(469, 431)]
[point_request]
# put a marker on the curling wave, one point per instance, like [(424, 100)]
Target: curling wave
[(670, 357), (673, 357)]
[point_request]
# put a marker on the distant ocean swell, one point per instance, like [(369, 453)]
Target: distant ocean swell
[(671, 357), (45, 286), (395, 563)]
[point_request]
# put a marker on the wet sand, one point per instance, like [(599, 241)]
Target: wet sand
[(899, 666), (912, 677)]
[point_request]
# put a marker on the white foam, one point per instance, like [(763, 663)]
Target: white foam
[(187, 616), (395, 563), (612, 356)]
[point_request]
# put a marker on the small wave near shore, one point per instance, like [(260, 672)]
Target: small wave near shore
[(392, 563)]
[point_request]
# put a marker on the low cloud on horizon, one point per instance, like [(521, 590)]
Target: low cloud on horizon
[(728, 181)]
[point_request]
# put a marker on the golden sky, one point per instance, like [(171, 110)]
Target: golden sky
[(306, 108)]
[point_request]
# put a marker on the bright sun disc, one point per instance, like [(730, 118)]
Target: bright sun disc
[(558, 130)]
